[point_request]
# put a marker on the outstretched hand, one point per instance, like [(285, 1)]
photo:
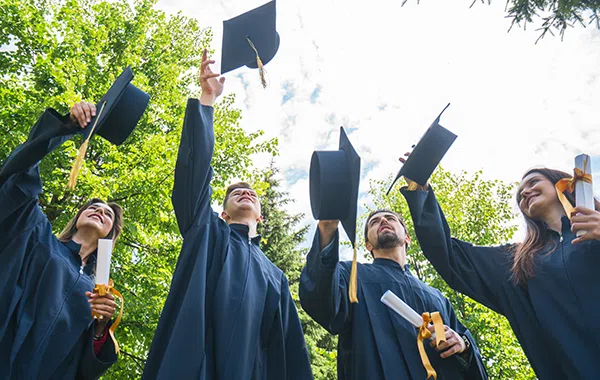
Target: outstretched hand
[(412, 185), (211, 84)]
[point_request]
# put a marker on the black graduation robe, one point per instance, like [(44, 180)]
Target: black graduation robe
[(229, 313), (554, 317), (375, 342), (46, 324)]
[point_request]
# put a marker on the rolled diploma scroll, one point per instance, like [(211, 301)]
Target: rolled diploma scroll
[(405, 311), (105, 247), (584, 192)]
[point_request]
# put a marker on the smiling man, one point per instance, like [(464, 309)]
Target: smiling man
[(229, 313), (374, 342)]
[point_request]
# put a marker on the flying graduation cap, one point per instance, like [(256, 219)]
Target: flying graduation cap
[(334, 179), (117, 114), (427, 154), (250, 39)]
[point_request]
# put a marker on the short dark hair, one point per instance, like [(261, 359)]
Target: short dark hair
[(378, 211), (235, 186)]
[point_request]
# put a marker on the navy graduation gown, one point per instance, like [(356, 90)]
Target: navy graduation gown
[(229, 313), (375, 342), (554, 316), (46, 325)]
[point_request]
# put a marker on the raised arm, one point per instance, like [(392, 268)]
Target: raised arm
[(193, 173), (20, 180), (324, 281), (478, 272)]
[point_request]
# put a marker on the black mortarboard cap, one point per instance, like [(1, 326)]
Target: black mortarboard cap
[(117, 114), (334, 180), (255, 28), (427, 154), (125, 105)]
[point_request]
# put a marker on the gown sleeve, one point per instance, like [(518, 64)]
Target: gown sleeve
[(478, 272), (324, 287), (193, 173)]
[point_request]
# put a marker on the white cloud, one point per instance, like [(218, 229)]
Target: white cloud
[(388, 70)]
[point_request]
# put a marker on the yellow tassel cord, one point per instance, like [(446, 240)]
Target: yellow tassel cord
[(568, 184), (78, 164), (353, 278), (424, 333), (103, 290), (259, 63)]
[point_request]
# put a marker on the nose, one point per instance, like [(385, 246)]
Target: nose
[(100, 211)]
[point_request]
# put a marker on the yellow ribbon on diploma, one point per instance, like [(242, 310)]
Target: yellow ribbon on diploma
[(424, 333), (568, 184), (103, 290)]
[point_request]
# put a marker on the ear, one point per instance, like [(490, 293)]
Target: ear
[(369, 246), (407, 240), (260, 219), (225, 216)]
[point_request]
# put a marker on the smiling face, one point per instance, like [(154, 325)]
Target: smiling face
[(385, 229), (536, 195), (241, 202), (99, 217)]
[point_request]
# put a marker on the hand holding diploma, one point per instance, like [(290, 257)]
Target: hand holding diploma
[(102, 299), (443, 338)]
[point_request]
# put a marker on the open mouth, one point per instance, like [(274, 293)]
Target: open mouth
[(530, 200), (98, 217)]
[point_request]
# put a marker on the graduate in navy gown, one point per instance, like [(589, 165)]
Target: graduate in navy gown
[(546, 286), (46, 325), (229, 313), (374, 341)]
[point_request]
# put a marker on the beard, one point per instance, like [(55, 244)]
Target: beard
[(387, 240)]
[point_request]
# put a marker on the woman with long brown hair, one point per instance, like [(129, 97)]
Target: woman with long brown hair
[(546, 286), (46, 281)]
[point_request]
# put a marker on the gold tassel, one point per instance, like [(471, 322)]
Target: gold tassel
[(78, 164), (259, 63), (353, 278)]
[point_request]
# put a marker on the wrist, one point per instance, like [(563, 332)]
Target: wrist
[(207, 99), (99, 330), (467, 343)]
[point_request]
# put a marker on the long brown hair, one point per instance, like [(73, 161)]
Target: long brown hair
[(537, 236), (71, 227)]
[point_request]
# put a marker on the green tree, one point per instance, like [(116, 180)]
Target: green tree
[(57, 52), (556, 15), (478, 211), (281, 237)]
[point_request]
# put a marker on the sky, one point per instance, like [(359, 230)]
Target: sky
[(384, 72)]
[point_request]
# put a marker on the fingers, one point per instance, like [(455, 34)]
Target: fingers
[(100, 302), (78, 114), (582, 238), (204, 55), (583, 226), (207, 76), (205, 64), (585, 210), (457, 348), (222, 80), (103, 314), (87, 111), (96, 295), (82, 113)]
